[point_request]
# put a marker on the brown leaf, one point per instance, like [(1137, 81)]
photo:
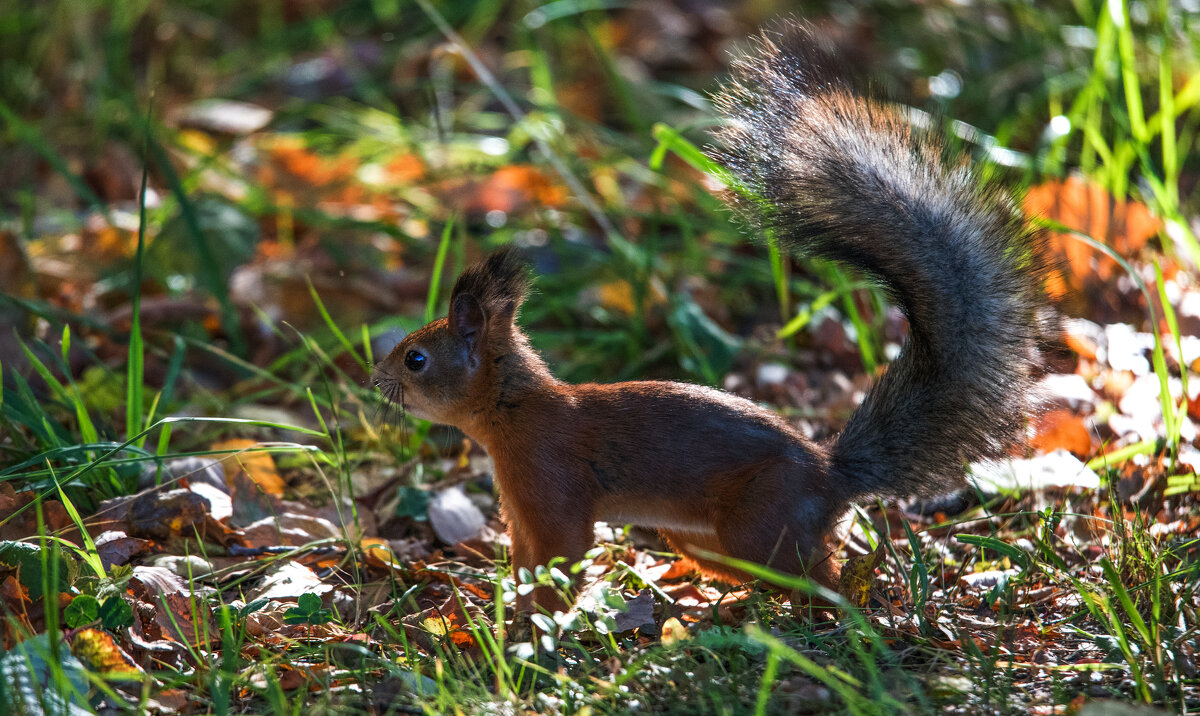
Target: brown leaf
[(184, 619), (160, 515), (169, 701), (15, 603), (53, 514), (115, 547)]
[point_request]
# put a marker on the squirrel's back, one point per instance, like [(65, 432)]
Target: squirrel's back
[(846, 178)]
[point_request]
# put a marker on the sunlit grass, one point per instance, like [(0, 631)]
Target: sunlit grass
[(1131, 108)]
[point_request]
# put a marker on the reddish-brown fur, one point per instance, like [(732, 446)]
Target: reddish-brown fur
[(846, 179), (708, 469)]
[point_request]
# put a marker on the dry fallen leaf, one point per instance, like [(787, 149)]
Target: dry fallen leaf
[(639, 615), (858, 576), (100, 652), (1124, 226), (1063, 429), (258, 465), (674, 632)]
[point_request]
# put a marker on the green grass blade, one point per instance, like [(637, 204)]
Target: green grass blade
[(333, 327), (92, 555), (435, 279), (1014, 553), (1135, 617), (55, 385), (779, 276), (1175, 425), (770, 673), (1116, 457), (844, 685), (87, 429), (1129, 76), (368, 351), (669, 139), (135, 366)]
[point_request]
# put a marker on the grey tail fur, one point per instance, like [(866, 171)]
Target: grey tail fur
[(845, 178)]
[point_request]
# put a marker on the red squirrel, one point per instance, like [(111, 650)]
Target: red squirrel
[(833, 175)]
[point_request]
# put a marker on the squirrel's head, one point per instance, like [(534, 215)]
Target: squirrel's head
[(441, 370)]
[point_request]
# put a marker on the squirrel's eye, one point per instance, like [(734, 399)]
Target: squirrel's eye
[(414, 361)]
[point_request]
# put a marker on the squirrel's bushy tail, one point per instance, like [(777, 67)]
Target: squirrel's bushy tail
[(842, 177)]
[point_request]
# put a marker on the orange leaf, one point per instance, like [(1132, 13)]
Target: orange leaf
[(379, 554), (405, 169), (1063, 429), (1125, 226), (680, 569), (617, 295), (687, 595), (258, 465), (100, 652), (512, 187)]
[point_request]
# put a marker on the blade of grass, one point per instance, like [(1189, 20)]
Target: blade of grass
[(1102, 611), (770, 673), (1175, 426), (779, 276), (1166, 113), (87, 429), (1129, 76), (844, 685), (669, 139), (135, 367), (435, 278), (1116, 457), (1014, 553), (23, 409), (368, 351), (337, 332), (91, 556)]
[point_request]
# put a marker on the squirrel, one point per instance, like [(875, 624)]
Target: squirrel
[(832, 174)]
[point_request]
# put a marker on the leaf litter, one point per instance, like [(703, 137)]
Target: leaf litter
[(247, 540)]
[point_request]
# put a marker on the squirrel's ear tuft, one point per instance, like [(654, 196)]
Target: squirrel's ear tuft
[(498, 284)]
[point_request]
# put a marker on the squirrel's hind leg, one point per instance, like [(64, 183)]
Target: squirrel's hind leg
[(767, 523)]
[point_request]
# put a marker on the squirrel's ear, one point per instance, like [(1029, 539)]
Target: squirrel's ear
[(468, 321), (497, 285)]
